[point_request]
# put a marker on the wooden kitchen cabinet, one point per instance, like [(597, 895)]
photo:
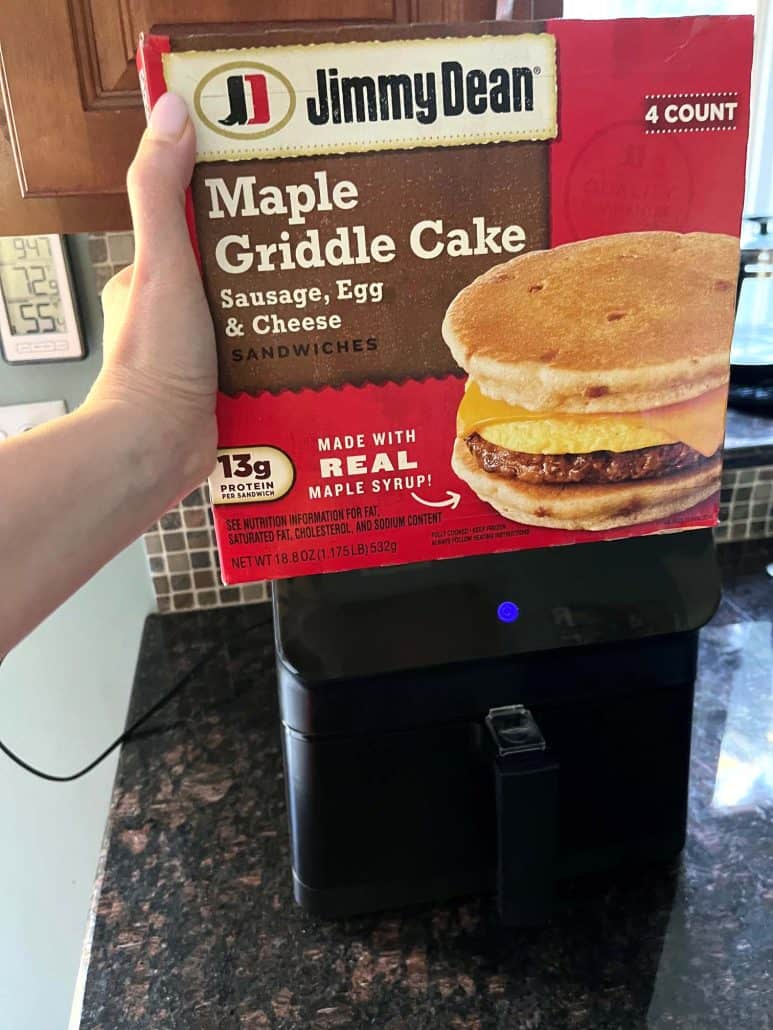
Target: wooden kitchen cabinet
[(73, 112)]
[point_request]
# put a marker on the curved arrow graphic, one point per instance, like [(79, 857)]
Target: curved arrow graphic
[(451, 501)]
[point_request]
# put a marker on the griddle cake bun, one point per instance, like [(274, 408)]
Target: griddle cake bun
[(618, 323), (588, 506), (597, 378)]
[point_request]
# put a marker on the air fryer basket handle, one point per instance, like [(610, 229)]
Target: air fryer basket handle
[(526, 785)]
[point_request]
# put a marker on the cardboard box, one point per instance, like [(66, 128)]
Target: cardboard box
[(472, 285)]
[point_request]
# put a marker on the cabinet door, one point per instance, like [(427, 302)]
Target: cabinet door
[(73, 109)]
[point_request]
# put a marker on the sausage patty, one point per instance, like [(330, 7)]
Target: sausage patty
[(594, 467)]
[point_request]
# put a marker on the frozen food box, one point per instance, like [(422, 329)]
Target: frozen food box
[(473, 286)]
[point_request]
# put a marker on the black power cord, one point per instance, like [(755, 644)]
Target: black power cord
[(127, 734)]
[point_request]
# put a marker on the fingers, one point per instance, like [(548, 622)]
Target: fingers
[(157, 179)]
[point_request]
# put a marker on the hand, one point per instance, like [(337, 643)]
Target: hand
[(145, 436), (160, 363)]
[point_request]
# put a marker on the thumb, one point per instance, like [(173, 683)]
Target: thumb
[(156, 181)]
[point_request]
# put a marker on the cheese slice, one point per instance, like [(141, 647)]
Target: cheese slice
[(699, 423)]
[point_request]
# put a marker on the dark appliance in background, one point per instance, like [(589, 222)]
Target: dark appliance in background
[(489, 724), (751, 357)]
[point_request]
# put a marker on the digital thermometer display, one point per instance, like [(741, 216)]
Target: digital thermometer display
[(37, 314), (30, 289)]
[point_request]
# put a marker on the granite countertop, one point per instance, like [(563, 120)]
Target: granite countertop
[(748, 439), (195, 926)]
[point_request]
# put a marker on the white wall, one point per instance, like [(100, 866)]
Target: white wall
[(63, 698)]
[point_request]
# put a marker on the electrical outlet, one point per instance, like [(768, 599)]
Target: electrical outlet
[(18, 418)]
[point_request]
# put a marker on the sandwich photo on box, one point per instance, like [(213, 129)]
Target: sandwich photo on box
[(597, 378)]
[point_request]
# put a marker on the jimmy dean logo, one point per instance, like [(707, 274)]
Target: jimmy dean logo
[(244, 100), (259, 113), (365, 98), (333, 98)]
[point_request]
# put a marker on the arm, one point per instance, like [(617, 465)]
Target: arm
[(75, 492)]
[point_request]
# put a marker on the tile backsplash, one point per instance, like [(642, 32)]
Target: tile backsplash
[(110, 252), (183, 560), (181, 546), (746, 504)]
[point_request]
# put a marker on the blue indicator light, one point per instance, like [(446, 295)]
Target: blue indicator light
[(507, 611)]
